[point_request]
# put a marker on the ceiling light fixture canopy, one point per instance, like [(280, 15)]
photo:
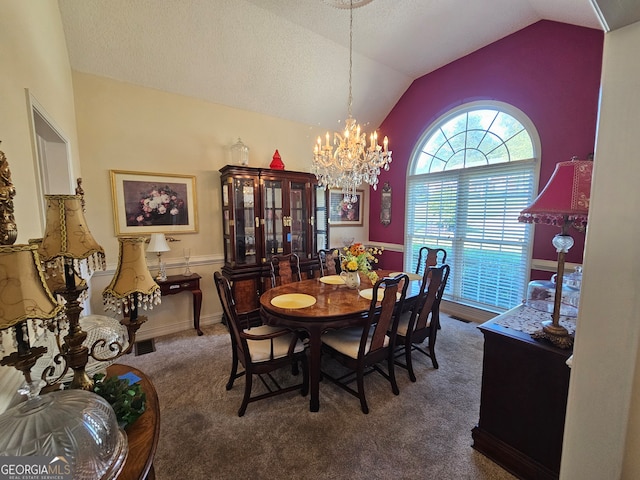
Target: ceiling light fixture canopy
[(347, 3), (353, 162)]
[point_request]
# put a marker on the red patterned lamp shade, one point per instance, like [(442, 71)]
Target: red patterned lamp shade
[(565, 198)]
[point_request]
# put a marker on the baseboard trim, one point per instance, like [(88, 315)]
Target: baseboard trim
[(466, 312), (181, 326)]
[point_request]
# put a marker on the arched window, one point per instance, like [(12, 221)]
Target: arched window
[(471, 174)]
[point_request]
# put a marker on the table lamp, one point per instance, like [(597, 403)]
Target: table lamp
[(158, 244), (564, 202), (24, 297), (66, 246), (24, 294), (132, 287)]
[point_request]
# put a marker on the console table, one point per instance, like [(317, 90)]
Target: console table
[(143, 434), (525, 383), (180, 283)]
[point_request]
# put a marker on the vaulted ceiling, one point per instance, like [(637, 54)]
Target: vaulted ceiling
[(290, 58)]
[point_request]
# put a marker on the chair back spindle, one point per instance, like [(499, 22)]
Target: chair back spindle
[(285, 269), (329, 262)]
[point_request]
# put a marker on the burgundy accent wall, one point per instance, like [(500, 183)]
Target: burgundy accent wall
[(549, 70)]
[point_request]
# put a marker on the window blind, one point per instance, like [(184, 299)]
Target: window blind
[(473, 214)]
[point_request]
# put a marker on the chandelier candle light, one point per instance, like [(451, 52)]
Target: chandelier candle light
[(353, 162)]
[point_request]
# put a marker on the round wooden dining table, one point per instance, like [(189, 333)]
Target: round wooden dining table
[(335, 306)]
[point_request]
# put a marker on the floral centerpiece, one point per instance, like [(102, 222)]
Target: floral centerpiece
[(358, 258)]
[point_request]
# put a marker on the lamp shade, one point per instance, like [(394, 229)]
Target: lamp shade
[(54, 280), (132, 282), (23, 291), (158, 243), (565, 197), (67, 233)]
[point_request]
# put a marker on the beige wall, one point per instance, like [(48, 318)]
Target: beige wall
[(603, 416), (126, 127)]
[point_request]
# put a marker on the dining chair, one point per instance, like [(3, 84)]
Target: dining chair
[(421, 322), (285, 269), (329, 262), (362, 348), (428, 257), (261, 350)]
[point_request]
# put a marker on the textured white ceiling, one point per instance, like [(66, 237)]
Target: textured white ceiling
[(290, 58)]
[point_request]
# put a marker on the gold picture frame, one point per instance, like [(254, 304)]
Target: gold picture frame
[(339, 212), (145, 203)]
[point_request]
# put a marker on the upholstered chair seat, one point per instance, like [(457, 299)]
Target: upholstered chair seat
[(403, 323), (347, 340), (269, 349)]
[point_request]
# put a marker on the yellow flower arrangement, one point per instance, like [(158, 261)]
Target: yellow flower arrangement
[(357, 257)]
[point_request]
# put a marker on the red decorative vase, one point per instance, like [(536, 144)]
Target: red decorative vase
[(276, 163)]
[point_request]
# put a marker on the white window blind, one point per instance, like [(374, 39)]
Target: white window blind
[(473, 213)]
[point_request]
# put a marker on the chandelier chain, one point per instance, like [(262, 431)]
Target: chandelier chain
[(350, 59), (353, 162)]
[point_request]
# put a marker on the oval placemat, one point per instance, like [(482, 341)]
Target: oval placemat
[(412, 276), (368, 294), (293, 300), (332, 279)]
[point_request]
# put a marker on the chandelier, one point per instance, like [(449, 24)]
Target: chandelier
[(353, 162)]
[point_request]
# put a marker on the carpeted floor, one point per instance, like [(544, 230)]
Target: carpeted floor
[(424, 433)]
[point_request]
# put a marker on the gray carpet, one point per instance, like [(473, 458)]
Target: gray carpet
[(424, 433)]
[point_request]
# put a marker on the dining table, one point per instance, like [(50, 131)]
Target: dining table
[(320, 304)]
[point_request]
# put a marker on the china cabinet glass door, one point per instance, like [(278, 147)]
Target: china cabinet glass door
[(226, 222), (244, 221), (321, 224), (273, 218), (298, 218)]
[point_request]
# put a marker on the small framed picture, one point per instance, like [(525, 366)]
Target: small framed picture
[(153, 203), (343, 213)]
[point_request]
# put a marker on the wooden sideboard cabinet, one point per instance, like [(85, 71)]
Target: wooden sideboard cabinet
[(268, 212), (523, 402)]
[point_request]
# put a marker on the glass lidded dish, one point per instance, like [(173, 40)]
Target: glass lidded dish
[(78, 425), (541, 296)]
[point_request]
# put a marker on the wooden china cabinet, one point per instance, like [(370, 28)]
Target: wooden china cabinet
[(264, 213)]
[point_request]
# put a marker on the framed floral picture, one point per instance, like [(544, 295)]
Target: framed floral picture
[(341, 213), (153, 203)]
